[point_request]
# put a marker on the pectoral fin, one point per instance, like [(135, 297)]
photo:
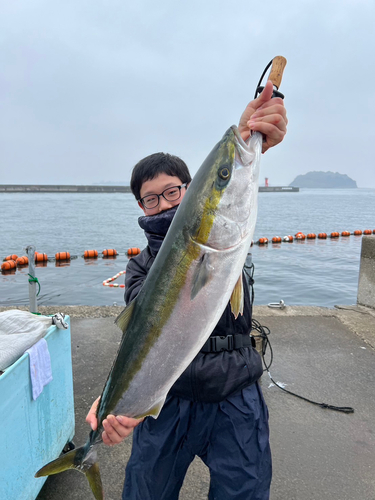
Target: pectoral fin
[(237, 298), (202, 275)]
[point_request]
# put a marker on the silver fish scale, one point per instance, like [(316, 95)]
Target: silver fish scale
[(220, 260)]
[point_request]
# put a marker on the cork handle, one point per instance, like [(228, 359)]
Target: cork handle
[(277, 69)]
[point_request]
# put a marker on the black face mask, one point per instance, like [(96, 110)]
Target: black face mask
[(156, 227)]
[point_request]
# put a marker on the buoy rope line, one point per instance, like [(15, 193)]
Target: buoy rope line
[(12, 262), (312, 236), (108, 282), (53, 259)]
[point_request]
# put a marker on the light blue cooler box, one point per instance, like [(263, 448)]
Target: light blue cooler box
[(35, 432)]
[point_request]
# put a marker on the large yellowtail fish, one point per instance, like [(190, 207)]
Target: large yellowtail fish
[(197, 270)]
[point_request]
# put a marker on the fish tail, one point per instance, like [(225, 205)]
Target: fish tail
[(81, 460)]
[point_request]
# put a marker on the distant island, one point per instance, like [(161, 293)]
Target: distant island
[(323, 180)]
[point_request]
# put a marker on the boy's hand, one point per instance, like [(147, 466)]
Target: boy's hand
[(116, 429), (267, 116)]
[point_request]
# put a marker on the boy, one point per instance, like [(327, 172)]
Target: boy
[(215, 409)]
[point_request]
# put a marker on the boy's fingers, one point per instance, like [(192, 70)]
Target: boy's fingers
[(94, 406), (106, 439), (91, 420), (274, 119), (115, 431), (264, 96), (272, 134), (128, 422), (271, 108), (263, 105), (124, 425), (110, 435), (91, 416)]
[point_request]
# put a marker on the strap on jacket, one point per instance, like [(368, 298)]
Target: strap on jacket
[(228, 343)]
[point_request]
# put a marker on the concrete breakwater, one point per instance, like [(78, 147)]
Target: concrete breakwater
[(55, 188), (278, 189), (366, 282), (59, 188)]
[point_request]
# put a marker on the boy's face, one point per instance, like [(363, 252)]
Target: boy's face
[(156, 186)]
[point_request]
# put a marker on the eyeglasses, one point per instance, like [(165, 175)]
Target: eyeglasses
[(170, 194)]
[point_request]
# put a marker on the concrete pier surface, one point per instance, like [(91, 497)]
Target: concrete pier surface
[(327, 355)]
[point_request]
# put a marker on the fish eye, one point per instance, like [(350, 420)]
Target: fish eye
[(224, 173)]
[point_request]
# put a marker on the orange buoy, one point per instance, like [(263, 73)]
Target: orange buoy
[(300, 236), (11, 257), (62, 256), (90, 254), (288, 239), (22, 261), (134, 251), (8, 265), (367, 231), (109, 252), (345, 233), (40, 257), (263, 241), (322, 236), (276, 239), (311, 236), (357, 232), (335, 234)]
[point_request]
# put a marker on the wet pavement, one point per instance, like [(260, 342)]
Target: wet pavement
[(326, 355)]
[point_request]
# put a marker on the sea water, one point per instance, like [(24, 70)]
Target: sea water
[(313, 272)]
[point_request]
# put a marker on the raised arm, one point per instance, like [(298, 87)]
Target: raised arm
[(267, 116)]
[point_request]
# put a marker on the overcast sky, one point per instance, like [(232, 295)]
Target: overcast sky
[(89, 88)]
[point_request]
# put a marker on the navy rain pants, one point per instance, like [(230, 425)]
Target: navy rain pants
[(231, 437)]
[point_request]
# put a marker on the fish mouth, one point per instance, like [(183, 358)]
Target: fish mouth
[(242, 143), (244, 149)]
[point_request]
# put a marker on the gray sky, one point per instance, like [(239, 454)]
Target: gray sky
[(88, 88)]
